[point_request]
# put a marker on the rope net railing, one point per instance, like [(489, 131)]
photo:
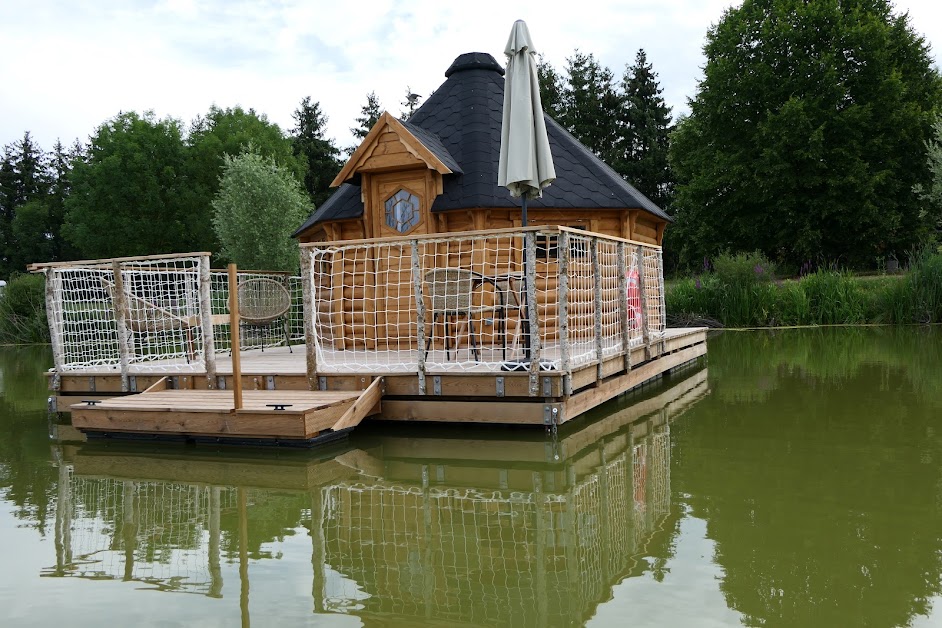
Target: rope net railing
[(142, 315), (481, 301), (257, 336)]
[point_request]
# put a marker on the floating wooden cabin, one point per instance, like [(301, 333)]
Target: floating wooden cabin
[(420, 293)]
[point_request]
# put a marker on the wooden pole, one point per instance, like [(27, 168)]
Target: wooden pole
[(243, 545), (206, 321), (420, 316), (120, 313), (307, 300), (234, 334)]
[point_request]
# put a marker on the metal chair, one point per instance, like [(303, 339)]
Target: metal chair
[(450, 293), (264, 303)]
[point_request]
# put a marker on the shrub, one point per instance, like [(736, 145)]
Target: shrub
[(23, 311)]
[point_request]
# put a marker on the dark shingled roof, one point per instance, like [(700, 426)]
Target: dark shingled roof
[(461, 121)]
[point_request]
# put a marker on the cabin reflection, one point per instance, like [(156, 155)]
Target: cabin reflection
[(497, 527)]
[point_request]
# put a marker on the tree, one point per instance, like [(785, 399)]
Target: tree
[(369, 114), (590, 105), (319, 155), (224, 132), (257, 208), (807, 135), (23, 179), (645, 126), (128, 195), (931, 193), (551, 88)]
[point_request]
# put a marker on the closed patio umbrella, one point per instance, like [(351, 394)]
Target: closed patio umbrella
[(526, 163)]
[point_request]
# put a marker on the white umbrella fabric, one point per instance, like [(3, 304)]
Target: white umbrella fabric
[(526, 163)]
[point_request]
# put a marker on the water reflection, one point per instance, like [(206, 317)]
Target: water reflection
[(492, 527)]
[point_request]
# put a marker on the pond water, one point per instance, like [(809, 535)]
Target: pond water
[(792, 479)]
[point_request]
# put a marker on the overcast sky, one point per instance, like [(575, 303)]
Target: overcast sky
[(68, 65)]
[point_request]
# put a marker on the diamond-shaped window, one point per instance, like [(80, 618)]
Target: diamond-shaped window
[(402, 211)]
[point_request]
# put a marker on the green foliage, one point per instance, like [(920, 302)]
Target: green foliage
[(318, 154), (130, 194), (369, 115), (23, 312), (807, 134), (730, 296), (226, 132), (591, 104), (551, 88), (257, 208), (931, 193), (641, 155)]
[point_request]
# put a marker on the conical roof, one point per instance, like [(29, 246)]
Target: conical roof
[(461, 123)]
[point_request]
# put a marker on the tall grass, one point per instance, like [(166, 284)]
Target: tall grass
[(740, 291)]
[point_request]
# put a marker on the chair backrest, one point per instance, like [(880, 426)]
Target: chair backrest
[(449, 289), (262, 300)]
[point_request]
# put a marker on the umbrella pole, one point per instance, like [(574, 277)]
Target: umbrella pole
[(526, 319)]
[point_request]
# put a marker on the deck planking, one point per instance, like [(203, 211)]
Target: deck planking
[(210, 413)]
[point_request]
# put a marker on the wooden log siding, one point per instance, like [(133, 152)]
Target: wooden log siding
[(374, 280)]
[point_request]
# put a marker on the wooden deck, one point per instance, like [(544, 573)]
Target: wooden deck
[(275, 415)]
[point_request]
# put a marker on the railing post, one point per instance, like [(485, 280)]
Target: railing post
[(234, 334), (564, 352), (622, 271), (597, 271), (307, 308), (206, 319), (120, 314), (54, 316), (642, 291), (420, 316), (661, 295), (532, 312)]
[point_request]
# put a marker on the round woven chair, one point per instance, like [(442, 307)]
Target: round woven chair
[(264, 303)]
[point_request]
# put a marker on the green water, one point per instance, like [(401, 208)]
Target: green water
[(793, 479)]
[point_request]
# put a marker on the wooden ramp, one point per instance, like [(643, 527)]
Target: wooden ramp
[(266, 416)]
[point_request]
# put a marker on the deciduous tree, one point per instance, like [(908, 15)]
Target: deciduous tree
[(807, 135), (257, 208)]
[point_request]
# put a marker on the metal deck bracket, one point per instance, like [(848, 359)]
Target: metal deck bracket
[(499, 380), (551, 414), (437, 385), (270, 382), (278, 406), (91, 384), (221, 382), (52, 404), (132, 383), (547, 387), (173, 382), (322, 383)]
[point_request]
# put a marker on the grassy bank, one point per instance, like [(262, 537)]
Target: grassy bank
[(742, 291)]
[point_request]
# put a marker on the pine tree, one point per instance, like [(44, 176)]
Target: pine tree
[(319, 154), (590, 105), (369, 114), (645, 127), (551, 88)]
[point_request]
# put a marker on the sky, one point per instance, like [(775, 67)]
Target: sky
[(69, 65)]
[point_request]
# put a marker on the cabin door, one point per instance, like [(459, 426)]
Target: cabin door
[(400, 203)]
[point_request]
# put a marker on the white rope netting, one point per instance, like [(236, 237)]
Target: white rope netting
[(159, 316), (460, 303)]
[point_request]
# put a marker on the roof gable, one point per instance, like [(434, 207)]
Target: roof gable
[(390, 144)]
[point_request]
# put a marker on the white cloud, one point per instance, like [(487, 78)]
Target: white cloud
[(79, 63)]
